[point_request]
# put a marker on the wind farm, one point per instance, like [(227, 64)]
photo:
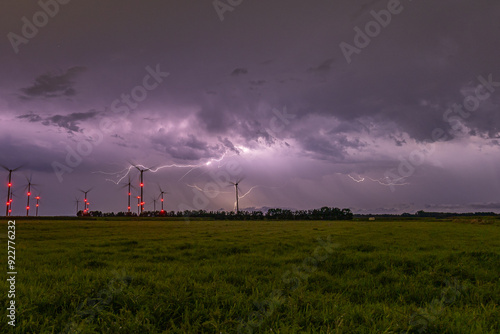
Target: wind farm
[(141, 246), (137, 191)]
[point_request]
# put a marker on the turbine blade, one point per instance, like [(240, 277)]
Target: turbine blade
[(133, 165)]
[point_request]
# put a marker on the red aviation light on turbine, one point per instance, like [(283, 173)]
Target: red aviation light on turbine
[(27, 208), (129, 194), (162, 199), (29, 194), (37, 205), (142, 184), (38, 197), (129, 207), (9, 184)]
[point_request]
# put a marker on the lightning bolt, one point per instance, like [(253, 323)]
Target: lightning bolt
[(384, 181), (248, 192), (120, 175), (387, 181), (227, 192), (208, 163), (361, 179)]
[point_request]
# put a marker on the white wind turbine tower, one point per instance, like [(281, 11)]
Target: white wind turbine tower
[(77, 202), (161, 196), (236, 185)]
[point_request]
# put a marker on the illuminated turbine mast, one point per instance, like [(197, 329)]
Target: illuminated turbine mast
[(142, 185), (28, 203), (161, 195), (28, 187), (129, 185), (37, 205), (8, 209), (85, 201)]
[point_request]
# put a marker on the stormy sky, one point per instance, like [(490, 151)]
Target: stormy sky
[(378, 106)]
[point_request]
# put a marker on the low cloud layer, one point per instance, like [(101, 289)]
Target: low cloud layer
[(54, 84)]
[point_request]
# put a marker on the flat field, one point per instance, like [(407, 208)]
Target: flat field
[(160, 276)]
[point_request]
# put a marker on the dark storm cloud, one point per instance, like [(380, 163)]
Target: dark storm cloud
[(25, 153), (322, 68), (69, 122), (54, 84), (398, 141), (188, 148), (31, 117), (432, 64), (332, 147), (215, 119), (227, 143), (239, 71)]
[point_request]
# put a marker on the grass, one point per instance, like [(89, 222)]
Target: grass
[(150, 276)]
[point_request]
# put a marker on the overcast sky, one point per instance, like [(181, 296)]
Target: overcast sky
[(378, 106)]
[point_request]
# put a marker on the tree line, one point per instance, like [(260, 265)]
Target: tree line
[(324, 213)]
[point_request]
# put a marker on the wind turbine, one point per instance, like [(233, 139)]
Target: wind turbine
[(129, 185), (37, 205), (235, 184), (9, 190), (28, 187), (77, 202), (155, 199), (161, 195), (142, 170), (85, 201), (10, 201)]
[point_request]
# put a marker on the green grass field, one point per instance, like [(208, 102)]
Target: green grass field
[(154, 276)]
